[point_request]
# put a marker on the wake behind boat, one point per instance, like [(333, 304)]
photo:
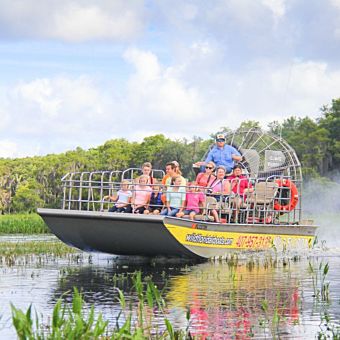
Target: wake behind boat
[(270, 215)]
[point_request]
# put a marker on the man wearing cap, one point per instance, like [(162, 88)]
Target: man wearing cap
[(222, 154)]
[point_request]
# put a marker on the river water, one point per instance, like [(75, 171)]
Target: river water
[(257, 296)]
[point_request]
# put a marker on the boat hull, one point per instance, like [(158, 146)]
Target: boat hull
[(144, 235), (113, 233)]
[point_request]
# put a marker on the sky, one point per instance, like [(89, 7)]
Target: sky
[(78, 73)]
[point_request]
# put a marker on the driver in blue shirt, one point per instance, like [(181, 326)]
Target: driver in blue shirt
[(222, 154)]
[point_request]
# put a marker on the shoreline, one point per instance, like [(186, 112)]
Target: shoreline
[(22, 224)]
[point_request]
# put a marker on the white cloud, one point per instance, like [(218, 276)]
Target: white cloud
[(243, 14), (57, 112), (40, 94), (191, 97), (8, 149), (335, 3), (158, 93), (75, 21), (4, 118), (278, 7)]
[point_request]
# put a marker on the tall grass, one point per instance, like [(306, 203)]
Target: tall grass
[(21, 253), (76, 322), (56, 248), (22, 224)]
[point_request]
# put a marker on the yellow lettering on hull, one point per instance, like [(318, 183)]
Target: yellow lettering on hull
[(236, 240)]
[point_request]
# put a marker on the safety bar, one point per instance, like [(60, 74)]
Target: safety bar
[(270, 201)]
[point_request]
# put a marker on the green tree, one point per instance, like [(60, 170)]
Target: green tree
[(115, 154), (150, 150), (249, 124), (331, 122), (27, 198), (308, 139)]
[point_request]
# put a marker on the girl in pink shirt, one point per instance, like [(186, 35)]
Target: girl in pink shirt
[(141, 196), (191, 205)]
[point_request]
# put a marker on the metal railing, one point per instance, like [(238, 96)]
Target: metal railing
[(257, 204)]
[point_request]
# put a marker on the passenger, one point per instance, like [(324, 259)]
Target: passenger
[(172, 169), (240, 186), (147, 171), (220, 189), (141, 196), (177, 168), (191, 205), (156, 203), (175, 196), (170, 172), (239, 182), (222, 154), (205, 179), (123, 198)]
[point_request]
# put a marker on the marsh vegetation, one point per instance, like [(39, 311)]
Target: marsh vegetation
[(56, 293), (27, 224)]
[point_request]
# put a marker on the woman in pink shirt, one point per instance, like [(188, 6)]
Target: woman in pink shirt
[(220, 186), (219, 189)]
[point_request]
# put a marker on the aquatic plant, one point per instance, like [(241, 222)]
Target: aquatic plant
[(16, 253), (323, 270), (66, 323), (56, 248), (328, 330), (320, 286), (22, 224), (74, 322)]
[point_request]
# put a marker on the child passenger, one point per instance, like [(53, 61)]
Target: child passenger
[(175, 196), (141, 196), (156, 203), (191, 205), (123, 198)]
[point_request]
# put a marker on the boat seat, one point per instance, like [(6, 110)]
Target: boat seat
[(200, 217), (224, 207), (264, 193)]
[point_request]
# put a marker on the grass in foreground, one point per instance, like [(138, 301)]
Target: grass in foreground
[(73, 322), (22, 224)]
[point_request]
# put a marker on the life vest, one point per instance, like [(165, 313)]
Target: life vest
[(290, 204)]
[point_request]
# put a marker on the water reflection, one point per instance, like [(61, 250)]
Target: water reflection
[(234, 301), (266, 297)]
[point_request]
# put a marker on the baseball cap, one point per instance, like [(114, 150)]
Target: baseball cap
[(220, 136)]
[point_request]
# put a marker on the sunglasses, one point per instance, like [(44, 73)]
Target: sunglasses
[(220, 140), (209, 167)]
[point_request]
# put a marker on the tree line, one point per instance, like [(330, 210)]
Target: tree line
[(31, 182)]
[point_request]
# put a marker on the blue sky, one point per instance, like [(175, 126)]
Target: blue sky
[(82, 72)]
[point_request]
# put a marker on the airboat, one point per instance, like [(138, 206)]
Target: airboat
[(270, 216)]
